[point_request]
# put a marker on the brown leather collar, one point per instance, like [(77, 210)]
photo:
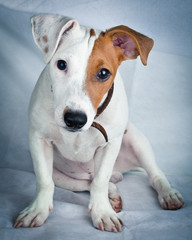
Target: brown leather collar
[(100, 110), (101, 129), (106, 102)]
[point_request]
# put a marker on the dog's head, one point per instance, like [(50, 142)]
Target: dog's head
[(83, 63)]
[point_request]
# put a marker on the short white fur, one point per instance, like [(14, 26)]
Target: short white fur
[(82, 161)]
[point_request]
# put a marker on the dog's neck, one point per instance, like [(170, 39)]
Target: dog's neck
[(100, 110)]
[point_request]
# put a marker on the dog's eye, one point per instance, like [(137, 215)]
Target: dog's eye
[(103, 74), (62, 65)]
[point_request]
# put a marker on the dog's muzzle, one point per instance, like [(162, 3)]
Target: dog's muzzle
[(74, 120)]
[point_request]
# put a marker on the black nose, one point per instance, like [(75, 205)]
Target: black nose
[(74, 119)]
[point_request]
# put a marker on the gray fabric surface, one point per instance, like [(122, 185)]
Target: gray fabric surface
[(160, 105)]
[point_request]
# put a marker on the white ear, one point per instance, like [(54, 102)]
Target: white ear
[(47, 31)]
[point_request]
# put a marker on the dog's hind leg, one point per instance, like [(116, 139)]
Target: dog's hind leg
[(116, 177), (136, 151), (63, 181)]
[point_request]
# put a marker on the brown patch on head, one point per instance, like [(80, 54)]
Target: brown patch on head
[(104, 55), (92, 32), (45, 39), (110, 49), (46, 49)]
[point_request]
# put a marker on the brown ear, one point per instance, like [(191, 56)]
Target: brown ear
[(131, 43)]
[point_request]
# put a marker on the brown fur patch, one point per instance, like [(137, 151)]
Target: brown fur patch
[(110, 49), (104, 55), (92, 32), (46, 49), (45, 38)]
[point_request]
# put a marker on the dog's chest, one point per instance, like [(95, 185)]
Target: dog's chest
[(78, 147), (78, 153)]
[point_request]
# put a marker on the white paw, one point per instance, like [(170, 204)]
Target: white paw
[(105, 218), (34, 215), (114, 198), (171, 199)]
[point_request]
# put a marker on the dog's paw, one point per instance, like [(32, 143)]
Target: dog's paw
[(105, 219), (32, 216), (171, 199), (114, 198), (116, 203)]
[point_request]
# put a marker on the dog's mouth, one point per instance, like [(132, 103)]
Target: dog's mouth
[(73, 130)]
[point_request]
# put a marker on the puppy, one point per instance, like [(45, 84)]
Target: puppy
[(79, 135)]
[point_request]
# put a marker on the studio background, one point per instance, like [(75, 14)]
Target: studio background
[(160, 100)]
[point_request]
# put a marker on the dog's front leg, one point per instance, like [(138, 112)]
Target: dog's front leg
[(42, 155), (103, 216)]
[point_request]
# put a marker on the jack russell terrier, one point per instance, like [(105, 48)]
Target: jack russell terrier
[(79, 134)]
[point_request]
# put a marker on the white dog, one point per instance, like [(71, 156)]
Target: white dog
[(79, 134)]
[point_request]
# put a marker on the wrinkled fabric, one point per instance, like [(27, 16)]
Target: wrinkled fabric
[(160, 97)]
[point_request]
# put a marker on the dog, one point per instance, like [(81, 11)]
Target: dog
[(79, 134)]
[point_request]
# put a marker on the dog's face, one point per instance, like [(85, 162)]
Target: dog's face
[(83, 64), (73, 108)]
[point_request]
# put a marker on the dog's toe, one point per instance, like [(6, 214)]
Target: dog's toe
[(108, 223), (33, 219), (114, 198), (104, 217), (171, 200), (116, 203), (32, 216)]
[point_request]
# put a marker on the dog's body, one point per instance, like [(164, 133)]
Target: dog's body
[(79, 135)]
